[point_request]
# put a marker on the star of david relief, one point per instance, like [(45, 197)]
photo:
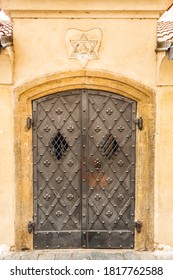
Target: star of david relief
[(83, 45)]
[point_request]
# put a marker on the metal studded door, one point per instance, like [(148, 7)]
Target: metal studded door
[(84, 169)]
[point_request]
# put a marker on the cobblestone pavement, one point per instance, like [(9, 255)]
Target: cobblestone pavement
[(79, 254)]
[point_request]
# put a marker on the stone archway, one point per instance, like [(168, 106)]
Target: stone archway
[(144, 97)]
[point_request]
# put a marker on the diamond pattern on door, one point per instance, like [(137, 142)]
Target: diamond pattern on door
[(84, 170), (111, 126), (58, 206)]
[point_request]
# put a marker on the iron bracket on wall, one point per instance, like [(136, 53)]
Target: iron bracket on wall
[(29, 123), (139, 123), (30, 227), (138, 226)]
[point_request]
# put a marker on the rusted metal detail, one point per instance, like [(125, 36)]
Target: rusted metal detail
[(29, 123), (82, 174), (138, 225), (163, 46), (30, 227), (139, 123), (6, 41)]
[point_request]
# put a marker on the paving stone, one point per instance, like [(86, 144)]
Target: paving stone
[(63, 255), (29, 256), (114, 256), (86, 254), (13, 256), (164, 255), (131, 256), (2, 256), (147, 256), (81, 255), (97, 256), (46, 256)]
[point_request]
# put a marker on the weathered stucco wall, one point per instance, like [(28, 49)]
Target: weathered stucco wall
[(165, 70), (127, 48), (164, 165), (6, 67), (7, 178), (164, 153), (125, 5)]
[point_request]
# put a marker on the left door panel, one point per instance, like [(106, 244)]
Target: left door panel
[(57, 172)]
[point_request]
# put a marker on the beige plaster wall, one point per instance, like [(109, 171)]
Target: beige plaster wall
[(7, 178), (86, 5), (165, 73), (127, 48), (6, 66), (164, 168)]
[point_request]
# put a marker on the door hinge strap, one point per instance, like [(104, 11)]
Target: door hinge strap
[(138, 226), (29, 123), (30, 227), (139, 123)]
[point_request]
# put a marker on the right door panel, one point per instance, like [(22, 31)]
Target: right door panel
[(111, 170)]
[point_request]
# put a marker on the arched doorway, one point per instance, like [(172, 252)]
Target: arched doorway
[(84, 170), (96, 227)]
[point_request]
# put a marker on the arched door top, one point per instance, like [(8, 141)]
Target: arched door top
[(24, 96), (85, 79)]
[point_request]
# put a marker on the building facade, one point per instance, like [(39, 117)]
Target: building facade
[(85, 127)]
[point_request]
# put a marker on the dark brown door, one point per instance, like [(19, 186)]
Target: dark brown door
[(84, 170)]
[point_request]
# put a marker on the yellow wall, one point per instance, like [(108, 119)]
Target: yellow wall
[(164, 168), (127, 48), (164, 152), (150, 5), (6, 66), (7, 164)]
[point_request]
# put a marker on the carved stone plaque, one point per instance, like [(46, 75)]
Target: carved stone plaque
[(83, 45)]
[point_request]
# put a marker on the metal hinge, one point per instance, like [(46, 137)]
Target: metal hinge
[(139, 123), (29, 123), (30, 227), (138, 226)]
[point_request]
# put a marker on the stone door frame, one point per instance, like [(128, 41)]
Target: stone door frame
[(23, 95)]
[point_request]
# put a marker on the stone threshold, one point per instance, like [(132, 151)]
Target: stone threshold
[(87, 254)]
